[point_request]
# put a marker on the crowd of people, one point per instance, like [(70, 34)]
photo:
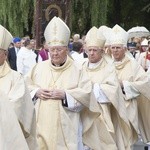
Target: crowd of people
[(89, 93)]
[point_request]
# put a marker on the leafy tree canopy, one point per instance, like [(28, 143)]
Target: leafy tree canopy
[(15, 15)]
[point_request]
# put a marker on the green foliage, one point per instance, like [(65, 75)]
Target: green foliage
[(98, 12), (146, 8), (132, 14), (15, 15), (128, 13), (79, 16), (86, 14)]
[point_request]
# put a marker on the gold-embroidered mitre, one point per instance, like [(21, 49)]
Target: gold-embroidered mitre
[(5, 38), (106, 31), (57, 33), (94, 38), (118, 36)]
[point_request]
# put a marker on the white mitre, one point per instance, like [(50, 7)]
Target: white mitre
[(5, 38), (95, 38), (118, 36), (106, 32), (57, 33)]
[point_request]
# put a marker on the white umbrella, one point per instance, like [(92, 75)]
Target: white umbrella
[(138, 31)]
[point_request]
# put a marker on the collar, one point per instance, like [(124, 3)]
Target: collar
[(59, 64), (62, 66), (120, 64), (94, 65), (4, 69)]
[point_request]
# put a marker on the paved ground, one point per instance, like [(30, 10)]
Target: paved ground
[(139, 146)]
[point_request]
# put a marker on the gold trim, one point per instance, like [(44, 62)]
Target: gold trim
[(56, 41)]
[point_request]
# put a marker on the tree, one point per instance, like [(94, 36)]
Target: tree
[(86, 14), (147, 8), (16, 16), (129, 13)]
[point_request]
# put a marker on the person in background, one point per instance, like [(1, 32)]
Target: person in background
[(76, 37), (33, 47), (148, 71), (77, 52), (84, 46), (144, 45), (13, 88), (138, 43), (44, 52), (70, 45), (22, 42), (12, 53), (11, 45), (144, 58), (26, 58), (132, 48)]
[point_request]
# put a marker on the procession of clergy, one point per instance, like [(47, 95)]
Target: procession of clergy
[(99, 103)]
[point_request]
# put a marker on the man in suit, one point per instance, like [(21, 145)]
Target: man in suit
[(12, 53), (132, 47)]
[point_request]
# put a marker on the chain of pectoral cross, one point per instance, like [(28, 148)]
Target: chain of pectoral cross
[(55, 80)]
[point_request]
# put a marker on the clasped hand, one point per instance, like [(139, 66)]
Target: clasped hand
[(45, 94)]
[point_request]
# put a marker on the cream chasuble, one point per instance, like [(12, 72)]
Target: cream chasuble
[(11, 135), (57, 125), (12, 84), (112, 126), (137, 96)]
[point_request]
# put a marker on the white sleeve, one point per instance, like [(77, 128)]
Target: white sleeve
[(99, 94), (20, 62), (33, 93), (73, 105), (140, 59), (148, 70), (39, 58), (130, 91), (137, 56), (34, 98)]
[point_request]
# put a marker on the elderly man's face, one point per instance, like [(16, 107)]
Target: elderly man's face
[(3, 56), (58, 54), (118, 51), (94, 54)]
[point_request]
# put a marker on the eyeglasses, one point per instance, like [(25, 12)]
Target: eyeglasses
[(94, 50), (116, 47), (58, 49)]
